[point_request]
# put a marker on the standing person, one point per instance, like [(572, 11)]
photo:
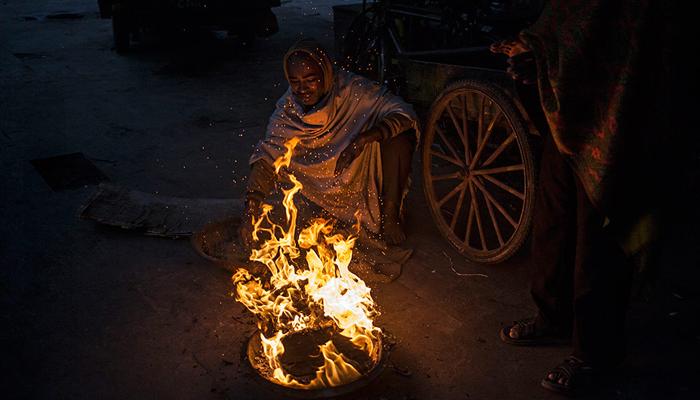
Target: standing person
[(598, 68), (356, 142)]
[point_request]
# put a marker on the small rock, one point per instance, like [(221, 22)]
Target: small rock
[(401, 371)]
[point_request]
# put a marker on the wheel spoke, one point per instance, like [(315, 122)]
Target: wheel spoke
[(498, 170), (454, 175), (483, 142), (500, 208), (470, 220), (465, 129), (456, 124), (494, 222), (448, 144), (505, 187), (478, 217), (480, 126), (499, 150), (458, 208), (447, 158), (451, 193)]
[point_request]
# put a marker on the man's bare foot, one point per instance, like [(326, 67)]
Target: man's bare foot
[(510, 47), (393, 232)]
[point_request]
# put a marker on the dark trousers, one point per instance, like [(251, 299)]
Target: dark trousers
[(581, 279), (397, 154)]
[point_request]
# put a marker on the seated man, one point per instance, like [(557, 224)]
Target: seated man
[(356, 141)]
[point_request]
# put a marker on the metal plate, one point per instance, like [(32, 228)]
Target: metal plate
[(254, 346)]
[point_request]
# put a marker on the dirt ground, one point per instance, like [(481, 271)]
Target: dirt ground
[(94, 312)]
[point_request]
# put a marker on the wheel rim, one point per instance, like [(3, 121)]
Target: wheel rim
[(478, 173)]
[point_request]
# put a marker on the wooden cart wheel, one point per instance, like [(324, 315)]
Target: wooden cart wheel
[(478, 171)]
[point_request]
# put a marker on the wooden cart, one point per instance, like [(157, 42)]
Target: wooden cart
[(479, 126)]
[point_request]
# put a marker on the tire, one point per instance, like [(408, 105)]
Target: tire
[(478, 171)]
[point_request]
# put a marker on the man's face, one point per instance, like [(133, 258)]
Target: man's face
[(306, 80)]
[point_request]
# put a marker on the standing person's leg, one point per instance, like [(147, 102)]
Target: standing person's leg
[(553, 240), (602, 279), (397, 155), (552, 254), (602, 284)]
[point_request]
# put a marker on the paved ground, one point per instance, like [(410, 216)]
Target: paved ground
[(90, 312)]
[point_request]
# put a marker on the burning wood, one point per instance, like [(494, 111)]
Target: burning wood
[(315, 317)]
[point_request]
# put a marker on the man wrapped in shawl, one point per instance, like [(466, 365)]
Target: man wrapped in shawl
[(356, 141), (598, 66)]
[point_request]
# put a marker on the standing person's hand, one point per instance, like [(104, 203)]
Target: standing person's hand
[(509, 47), (521, 61), (523, 68), (350, 153)]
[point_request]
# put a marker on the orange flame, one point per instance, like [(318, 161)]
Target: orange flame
[(358, 216), (286, 159), (320, 293)]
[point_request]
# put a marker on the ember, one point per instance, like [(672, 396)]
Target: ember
[(315, 317)]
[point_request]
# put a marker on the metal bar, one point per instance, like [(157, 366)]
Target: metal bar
[(464, 50), (415, 14)]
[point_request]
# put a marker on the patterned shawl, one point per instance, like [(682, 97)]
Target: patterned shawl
[(600, 79)]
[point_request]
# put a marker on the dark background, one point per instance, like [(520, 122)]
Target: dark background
[(93, 312)]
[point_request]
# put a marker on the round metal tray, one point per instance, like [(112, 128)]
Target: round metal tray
[(254, 347)]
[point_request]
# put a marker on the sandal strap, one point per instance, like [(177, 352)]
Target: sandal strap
[(525, 327), (572, 366)]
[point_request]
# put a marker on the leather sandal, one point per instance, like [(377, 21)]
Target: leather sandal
[(572, 377), (532, 333)]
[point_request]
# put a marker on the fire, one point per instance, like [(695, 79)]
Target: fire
[(310, 288)]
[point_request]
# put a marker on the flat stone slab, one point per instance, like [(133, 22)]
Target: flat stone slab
[(155, 215)]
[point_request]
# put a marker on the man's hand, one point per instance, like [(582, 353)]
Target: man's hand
[(354, 149), (349, 155)]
